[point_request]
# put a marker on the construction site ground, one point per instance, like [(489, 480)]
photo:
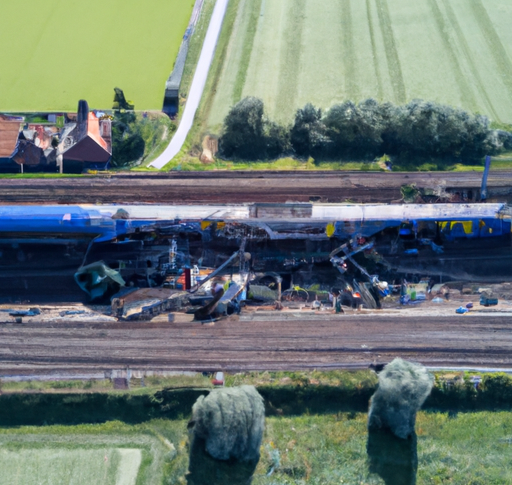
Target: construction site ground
[(60, 343), (240, 187), (63, 344)]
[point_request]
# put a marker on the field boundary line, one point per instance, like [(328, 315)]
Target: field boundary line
[(288, 80), (444, 36), (197, 87), (494, 43), (454, 23), (129, 466), (248, 43), (347, 33), (380, 88), (394, 67), (219, 66)]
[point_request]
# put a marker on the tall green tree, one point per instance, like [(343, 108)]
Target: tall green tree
[(354, 130), (243, 135), (248, 135), (308, 134), (127, 142)]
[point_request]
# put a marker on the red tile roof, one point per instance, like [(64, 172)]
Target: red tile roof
[(91, 146), (9, 132)]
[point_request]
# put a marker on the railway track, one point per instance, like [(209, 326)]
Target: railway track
[(268, 343), (244, 187)]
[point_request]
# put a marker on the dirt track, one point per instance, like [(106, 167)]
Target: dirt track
[(240, 187), (256, 343)]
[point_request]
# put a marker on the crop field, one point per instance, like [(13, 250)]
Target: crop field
[(57, 52), (291, 52), (112, 454), (108, 466)]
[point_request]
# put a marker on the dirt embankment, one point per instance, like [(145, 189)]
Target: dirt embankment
[(240, 187)]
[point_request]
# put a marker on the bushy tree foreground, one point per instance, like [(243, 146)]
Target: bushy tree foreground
[(419, 130)]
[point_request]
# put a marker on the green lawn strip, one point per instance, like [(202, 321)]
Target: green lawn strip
[(131, 45), (186, 162), (189, 161), (217, 65), (138, 387)]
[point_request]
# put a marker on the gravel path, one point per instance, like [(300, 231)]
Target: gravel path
[(198, 83)]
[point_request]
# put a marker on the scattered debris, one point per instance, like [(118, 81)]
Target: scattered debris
[(487, 300), (219, 379), (71, 312), (25, 313), (97, 280), (146, 303)]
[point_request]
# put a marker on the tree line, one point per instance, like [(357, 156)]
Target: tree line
[(419, 130)]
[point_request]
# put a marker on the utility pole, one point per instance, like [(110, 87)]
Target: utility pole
[(483, 189)]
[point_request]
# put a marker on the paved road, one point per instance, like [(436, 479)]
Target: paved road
[(198, 83), (239, 187), (257, 342)]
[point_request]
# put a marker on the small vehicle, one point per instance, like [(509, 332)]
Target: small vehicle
[(488, 301)]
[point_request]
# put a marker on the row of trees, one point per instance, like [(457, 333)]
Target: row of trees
[(419, 130)]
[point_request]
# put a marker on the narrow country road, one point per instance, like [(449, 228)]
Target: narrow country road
[(198, 83)]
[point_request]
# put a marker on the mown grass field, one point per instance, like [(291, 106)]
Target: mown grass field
[(113, 453), (56, 465), (290, 52), (57, 52)]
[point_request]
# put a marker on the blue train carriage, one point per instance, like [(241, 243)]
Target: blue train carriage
[(475, 228)]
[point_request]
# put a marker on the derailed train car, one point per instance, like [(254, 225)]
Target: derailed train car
[(42, 248)]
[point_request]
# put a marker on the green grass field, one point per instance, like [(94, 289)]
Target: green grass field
[(290, 52), (300, 446), (113, 453), (57, 52), (329, 449)]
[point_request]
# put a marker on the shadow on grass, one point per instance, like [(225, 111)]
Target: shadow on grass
[(394, 459), (70, 409), (41, 409), (205, 470)]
